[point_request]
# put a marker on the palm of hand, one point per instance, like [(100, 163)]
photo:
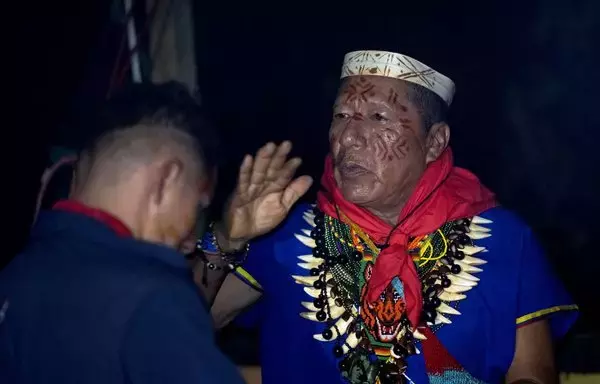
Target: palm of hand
[(265, 192)]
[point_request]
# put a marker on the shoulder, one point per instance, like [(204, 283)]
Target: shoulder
[(505, 221), (502, 240), (512, 251), (507, 233)]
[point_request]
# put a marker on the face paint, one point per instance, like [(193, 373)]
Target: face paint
[(376, 141)]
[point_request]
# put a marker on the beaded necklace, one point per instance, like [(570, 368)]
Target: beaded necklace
[(378, 337)]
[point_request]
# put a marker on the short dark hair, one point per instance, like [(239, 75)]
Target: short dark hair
[(168, 104), (432, 108)]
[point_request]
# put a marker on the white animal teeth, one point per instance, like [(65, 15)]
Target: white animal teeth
[(312, 316), (351, 342), (310, 220), (306, 232), (441, 319), (314, 292), (450, 296), (306, 280), (473, 260), (467, 276), (457, 280), (418, 335), (471, 249), (466, 267), (448, 310), (401, 333), (480, 220), (335, 311), (478, 228), (454, 288), (309, 259), (310, 306), (309, 280), (309, 266), (309, 242), (479, 235)]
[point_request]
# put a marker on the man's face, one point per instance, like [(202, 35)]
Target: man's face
[(207, 188), (377, 142), (179, 202)]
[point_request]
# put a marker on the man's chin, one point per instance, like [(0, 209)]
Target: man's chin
[(357, 193)]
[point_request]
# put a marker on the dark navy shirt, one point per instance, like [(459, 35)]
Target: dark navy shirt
[(82, 304)]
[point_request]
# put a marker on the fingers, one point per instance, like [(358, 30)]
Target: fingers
[(268, 171), (245, 173), (287, 172), (278, 160), (295, 190), (261, 164)]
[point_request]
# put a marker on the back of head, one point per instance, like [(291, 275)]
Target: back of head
[(168, 106), (149, 160)]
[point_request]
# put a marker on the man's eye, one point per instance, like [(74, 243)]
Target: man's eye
[(341, 115), (379, 117)]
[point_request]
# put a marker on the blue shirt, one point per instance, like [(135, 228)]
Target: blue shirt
[(515, 286), (83, 305)]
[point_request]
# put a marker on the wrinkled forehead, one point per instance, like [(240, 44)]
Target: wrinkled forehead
[(372, 89)]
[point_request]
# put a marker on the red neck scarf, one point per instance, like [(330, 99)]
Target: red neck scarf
[(444, 193), (105, 218)]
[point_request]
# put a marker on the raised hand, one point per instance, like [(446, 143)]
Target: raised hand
[(265, 193)]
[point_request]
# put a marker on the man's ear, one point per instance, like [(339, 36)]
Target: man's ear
[(168, 178), (437, 141)]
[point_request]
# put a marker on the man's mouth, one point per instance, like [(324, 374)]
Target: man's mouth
[(349, 170)]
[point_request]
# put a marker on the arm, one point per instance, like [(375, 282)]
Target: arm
[(545, 312), (227, 294), (233, 297), (209, 281), (265, 193), (534, 357)]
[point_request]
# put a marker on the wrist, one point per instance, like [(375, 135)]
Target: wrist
[(227, 244), (212, 243)]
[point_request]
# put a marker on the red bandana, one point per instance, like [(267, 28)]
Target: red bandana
[(444, 193)]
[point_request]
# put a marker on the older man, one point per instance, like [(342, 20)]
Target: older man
[(101, 294), (406, 270)]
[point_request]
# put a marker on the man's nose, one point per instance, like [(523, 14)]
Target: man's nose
[(354, 135)]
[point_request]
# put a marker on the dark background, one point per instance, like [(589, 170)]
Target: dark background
[(525, 117)]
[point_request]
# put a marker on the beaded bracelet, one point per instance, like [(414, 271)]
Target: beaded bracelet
[(208, 265), (208, 243)]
